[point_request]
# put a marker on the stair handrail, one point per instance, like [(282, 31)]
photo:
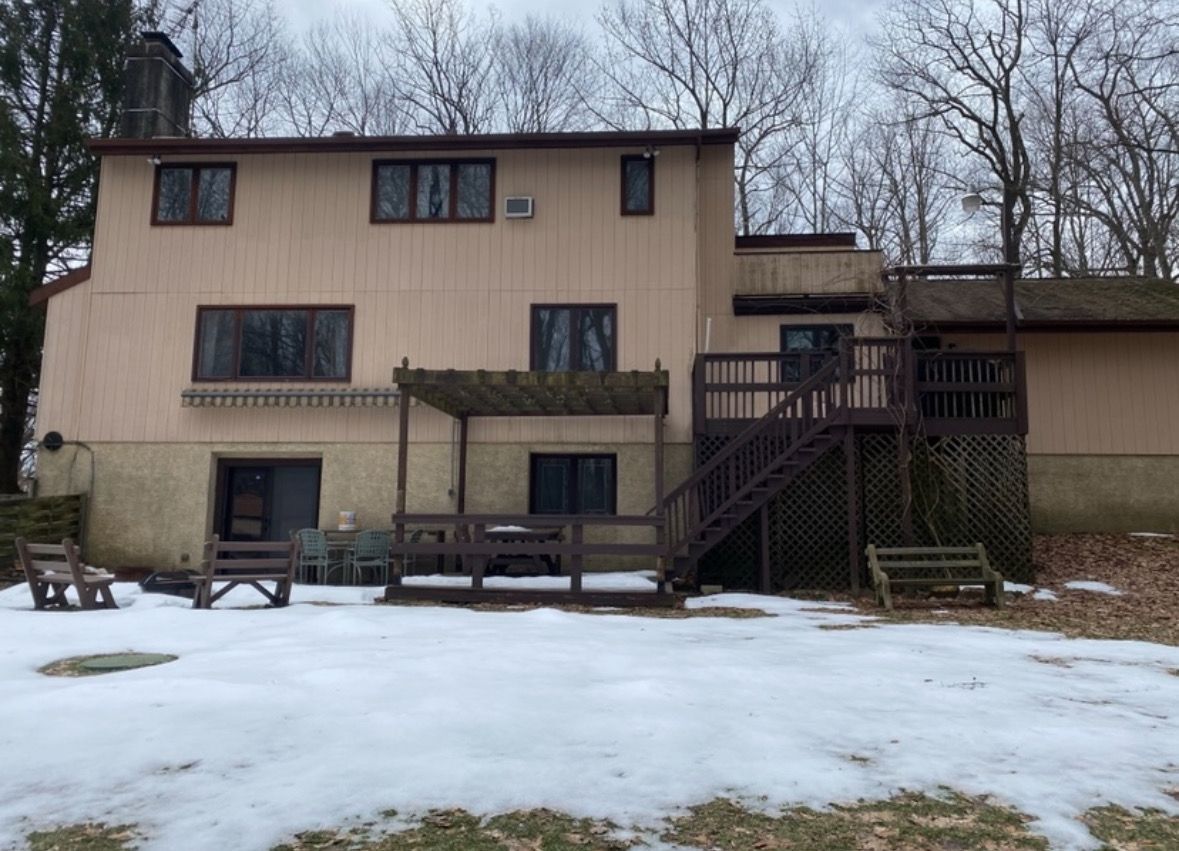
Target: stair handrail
[(820, 379)]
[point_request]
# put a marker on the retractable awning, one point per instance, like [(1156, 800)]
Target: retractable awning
[(290, 397)]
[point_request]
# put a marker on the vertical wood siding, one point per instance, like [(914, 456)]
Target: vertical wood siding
[(1097, 393), (119, 348)]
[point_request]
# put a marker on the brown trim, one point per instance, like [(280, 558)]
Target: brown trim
[(239, 309), (573, 457), (43, 293), (194, 190), (452, 213), (377, 144), (650, 162), (1061, 325), (797, 240), (801, 305), (533, 351)]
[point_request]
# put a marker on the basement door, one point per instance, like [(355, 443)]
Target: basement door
[(266, 499)]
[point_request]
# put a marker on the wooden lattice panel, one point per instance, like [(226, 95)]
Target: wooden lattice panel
[(965, 490)]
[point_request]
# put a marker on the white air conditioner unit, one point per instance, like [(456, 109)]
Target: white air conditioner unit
[(518, 207)]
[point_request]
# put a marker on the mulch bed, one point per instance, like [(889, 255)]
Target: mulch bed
[(1145, 570)]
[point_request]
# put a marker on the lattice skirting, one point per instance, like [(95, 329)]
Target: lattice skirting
[(964, 489)]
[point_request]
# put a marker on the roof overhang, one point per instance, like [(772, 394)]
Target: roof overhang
[(45, 292), (387, 144), (801, 305), (1062, 325), (484, 393)]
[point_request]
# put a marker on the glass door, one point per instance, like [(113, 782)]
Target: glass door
[(266, 500)]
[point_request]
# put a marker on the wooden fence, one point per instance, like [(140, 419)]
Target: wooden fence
[(46, 519)]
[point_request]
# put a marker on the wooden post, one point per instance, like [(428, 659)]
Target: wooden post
[(462, 470), (764, 561), (904, 455), (479, 561), (660, 531), (575, 563), (853, 509), (402, 470)]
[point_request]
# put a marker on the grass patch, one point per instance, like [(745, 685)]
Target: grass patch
[(909, 821), (1131, 830), (83, 837), (458, 830)]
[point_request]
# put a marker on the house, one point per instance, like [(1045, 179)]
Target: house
[(447, 330)]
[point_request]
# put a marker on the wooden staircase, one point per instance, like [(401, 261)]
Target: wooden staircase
[(751, 469)]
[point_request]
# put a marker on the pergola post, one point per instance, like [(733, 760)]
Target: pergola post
[(462, 470), (660, 395), (402, 479)]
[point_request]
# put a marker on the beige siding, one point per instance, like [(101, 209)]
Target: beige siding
[(808, 272), (119, 349), (1095, 393)]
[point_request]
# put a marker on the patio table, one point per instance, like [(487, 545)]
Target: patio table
[(343, 542), (521, 535)]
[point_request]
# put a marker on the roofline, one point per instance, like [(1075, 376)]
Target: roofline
[(43, 293), (797, 240), (356, 144), (1022, 325)]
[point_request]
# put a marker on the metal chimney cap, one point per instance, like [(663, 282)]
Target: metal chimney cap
[(156, 37)]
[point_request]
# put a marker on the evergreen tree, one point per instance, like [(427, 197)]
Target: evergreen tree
[(60, 83)]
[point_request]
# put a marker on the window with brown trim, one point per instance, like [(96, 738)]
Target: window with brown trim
[(638, 185), (194, 194), (277, 343), (573, 484), (574, 338), (433, 191)]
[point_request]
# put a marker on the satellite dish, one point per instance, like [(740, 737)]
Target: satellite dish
[(53, 441)]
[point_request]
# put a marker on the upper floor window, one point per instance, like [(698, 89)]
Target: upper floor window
[(574, 338), (200, 194), (273, 343), (638, 185), (433, 191)]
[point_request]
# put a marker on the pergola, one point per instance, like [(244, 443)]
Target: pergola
[(466, 394)]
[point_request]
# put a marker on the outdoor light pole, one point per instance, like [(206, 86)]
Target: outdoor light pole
[(971, 204)]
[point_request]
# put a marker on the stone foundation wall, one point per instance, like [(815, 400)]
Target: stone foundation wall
[(1104, 493)]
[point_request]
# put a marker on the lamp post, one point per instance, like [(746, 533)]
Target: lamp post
[(973, 202)]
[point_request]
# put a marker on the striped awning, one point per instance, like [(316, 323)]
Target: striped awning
[(290, 397)]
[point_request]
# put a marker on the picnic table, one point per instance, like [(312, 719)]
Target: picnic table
[(509, 535)]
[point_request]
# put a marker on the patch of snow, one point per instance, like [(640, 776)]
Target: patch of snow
[(274, 721), (1094, 587), (1151, 535), (1045, 594), (1017, 588)]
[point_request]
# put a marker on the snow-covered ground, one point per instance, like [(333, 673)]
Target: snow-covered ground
[(1093, 587), (274, 721)]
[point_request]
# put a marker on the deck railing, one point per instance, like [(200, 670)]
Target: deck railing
[(882, 380), (470, 539)]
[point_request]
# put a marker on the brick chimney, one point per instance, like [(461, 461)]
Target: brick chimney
[(158, 90)]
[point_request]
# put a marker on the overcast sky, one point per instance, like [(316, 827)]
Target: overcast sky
[(855, 15)]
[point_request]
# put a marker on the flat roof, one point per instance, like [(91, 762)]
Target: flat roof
[(1106, 303), (345, 143)]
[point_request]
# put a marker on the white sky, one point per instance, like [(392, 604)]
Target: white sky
[(855, 15)]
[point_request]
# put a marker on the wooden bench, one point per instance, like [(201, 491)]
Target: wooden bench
[(932, 567), (246, 563), (51, 569)]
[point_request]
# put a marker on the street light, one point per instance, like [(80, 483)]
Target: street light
[(972, 202)]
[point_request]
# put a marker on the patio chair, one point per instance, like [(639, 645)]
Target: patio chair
[(313, 556), (52, 568), (371, 553)]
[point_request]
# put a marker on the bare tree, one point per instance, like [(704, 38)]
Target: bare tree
[(961, 61), (237, 50), (544, 76), (341, 79), (445, 65), (708, 63), (1129, 154)]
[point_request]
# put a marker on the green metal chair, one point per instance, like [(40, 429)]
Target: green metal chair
[(313, 556), (371, 553)]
